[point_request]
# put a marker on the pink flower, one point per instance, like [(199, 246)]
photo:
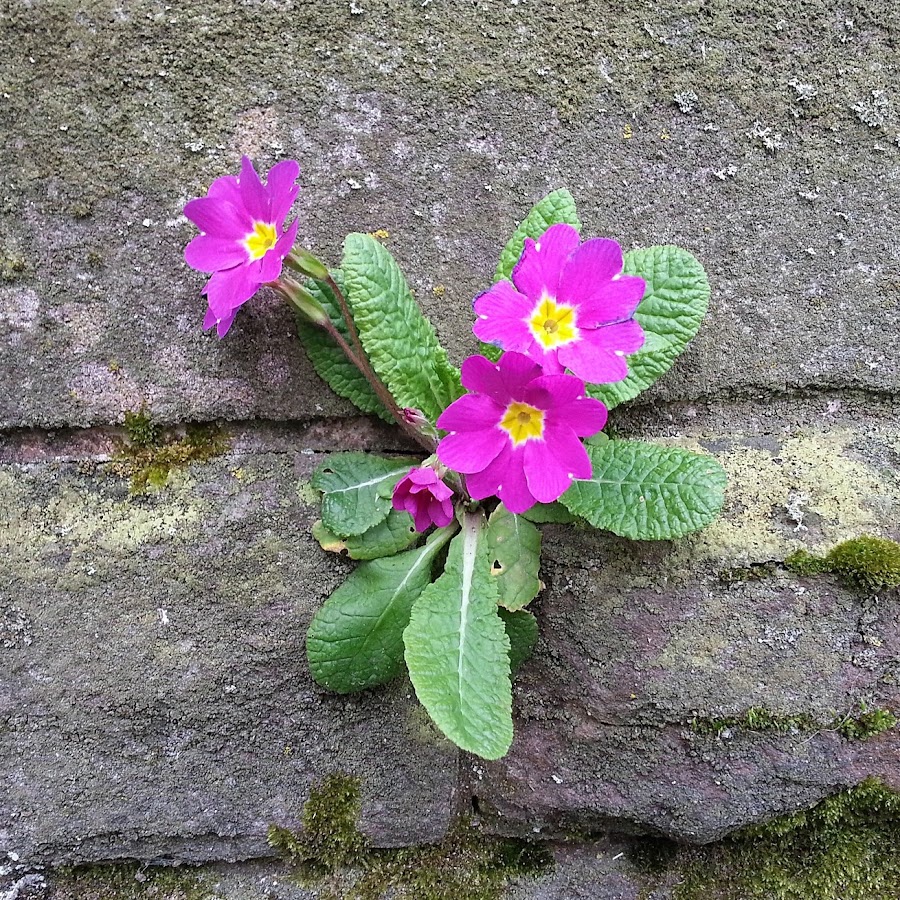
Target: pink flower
[(517, 435), (569, 307), (425, 497), (243, 241)]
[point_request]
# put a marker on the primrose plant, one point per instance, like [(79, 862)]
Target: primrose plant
[(448, 544)]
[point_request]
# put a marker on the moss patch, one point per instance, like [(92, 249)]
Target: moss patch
[(330, 838), (128, 882), (867, 562), (148, 456), (332, 853), (845, 848), (857, 726)]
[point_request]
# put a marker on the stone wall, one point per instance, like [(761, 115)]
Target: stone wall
[(154, 697)]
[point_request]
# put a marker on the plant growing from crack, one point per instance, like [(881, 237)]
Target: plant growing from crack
[(514, 439)]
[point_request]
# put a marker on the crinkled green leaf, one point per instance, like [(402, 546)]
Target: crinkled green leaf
[(522, 630), (356, 490), (670, 313), (329, 360), (355, 640), (648, 492), (400, 342), (558, 207), (457, 650), (542, 513), (515, 550), (390, 536)]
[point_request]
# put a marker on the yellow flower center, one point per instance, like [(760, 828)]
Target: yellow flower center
[(260, 240), (522, 422), (552, 323)]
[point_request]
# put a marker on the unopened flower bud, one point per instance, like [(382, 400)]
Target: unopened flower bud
[(301, 260), (301, 299)]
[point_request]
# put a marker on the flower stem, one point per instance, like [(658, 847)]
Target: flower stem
[(358, 357)]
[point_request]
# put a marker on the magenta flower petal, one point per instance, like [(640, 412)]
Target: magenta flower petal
[(517, 371), (600, 357), (281, 188), (470, 413), (585, 417), (617, 301), (273, 260), (569, 453), (228, 289), (487, 482), (599, 366), (588, 269), (571, 293), (480, 375), (471, 451), (538, 269), (210, 254), (243, 241), (521, 441), (625, 337), (425, 497), (546, 476), (514, 492), (226, 188), (222, 323), (253, 194), (553, 390), (502, 317), (219, 218)]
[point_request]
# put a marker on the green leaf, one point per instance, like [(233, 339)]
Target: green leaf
[(670, 314), (329, 360), (386, 538), (457, 650), (542, 513), (357, 490), (648, 492), (522, 630), (400, 342), (355, 640), (515, 552), (556, 208)]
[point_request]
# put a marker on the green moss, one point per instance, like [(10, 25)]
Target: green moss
[(755, 572), (867, 562), (801, 562), (148, 457), (854, 726), (330, 838), (844, 848), (13, 267), (128, 882), (871, 563), (756, 718), (466, 865), (142, 431), (868, 723)]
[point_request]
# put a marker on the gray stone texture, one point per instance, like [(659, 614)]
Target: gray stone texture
[(763, 138), (155, 700), (154, 696)]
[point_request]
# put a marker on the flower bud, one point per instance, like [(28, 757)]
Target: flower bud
[(301, 260), (301, 299)]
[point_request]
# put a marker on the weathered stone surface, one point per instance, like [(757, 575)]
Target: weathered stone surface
[(763, 138), (155, 701), (639, 640)]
